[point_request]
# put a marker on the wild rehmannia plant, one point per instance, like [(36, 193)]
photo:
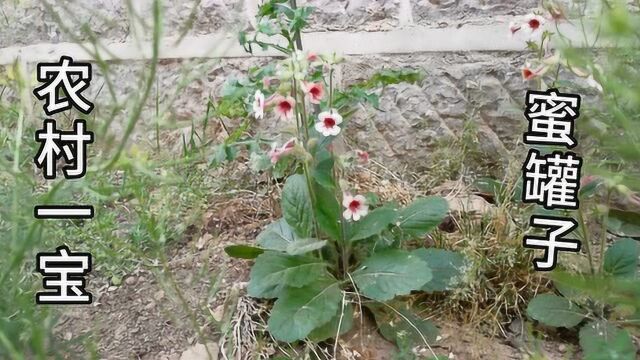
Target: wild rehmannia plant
[(332, 248), (601, 299)]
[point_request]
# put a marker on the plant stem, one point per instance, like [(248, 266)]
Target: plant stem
[(603, 238), (296, 36), (587, 240)]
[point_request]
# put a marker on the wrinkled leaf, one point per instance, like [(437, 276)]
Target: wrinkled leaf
[(446, 267), (299, 311), (296, 205), (391, 272), (277, 236), (621, 259), (624, 223), (330, 329), (423, 215), (328, 213), (304, 246), (404, 327), (274, 271), (374, 223), (555, 311)]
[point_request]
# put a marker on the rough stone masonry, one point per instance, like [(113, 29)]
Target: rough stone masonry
[(472, 66)]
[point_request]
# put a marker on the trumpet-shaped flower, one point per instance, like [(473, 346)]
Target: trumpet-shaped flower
[(277, 152), (315, 92), (529, 73), (355, 207), (533, 23), (258, 105), (328, 122), (312, 57), (284, 107)]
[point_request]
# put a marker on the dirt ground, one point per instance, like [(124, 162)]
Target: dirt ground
[(154, 316)]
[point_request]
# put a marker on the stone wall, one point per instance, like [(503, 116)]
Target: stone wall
[(472, 65)]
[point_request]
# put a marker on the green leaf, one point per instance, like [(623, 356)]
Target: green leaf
[(446, 267), (277, 236), (330, 329), (374, 223), (243, 251), (300, 310), (328, 213), (296, 205), (624, 223), (304, 246), (323, 171), (600, 340), (423, 215), (274, 271), (621, 259), (404, 327), (389, 273), (555, 311)]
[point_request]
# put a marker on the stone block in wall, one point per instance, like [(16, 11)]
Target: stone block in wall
[(30, 22), (364, 15), (448, 12), (417, 119)]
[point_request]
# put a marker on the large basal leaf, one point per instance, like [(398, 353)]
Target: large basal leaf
[(274, 271), (328, 213), (446, 268), (296, 205), (600, 340), (621, 259), (374, 223), (343, 318), (389, 273), (304, 246), (300, 310), (276, 236), (403, 326), (243, 251), (555, 311), (423, 215)]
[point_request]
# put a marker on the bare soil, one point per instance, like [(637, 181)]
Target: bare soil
[(155, 312)]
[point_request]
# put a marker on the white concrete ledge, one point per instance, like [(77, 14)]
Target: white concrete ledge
[(407, 40)]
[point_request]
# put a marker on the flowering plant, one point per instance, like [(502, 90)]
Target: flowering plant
[(596, 297), (333, 247)]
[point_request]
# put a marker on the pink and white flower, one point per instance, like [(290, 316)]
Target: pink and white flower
[(533, 23), (258, 105), (277, 152), (530, 26), (355, 207), (284, 107), (328, 122), (363, 156), (312, 57), (315, 92), (528, 73)]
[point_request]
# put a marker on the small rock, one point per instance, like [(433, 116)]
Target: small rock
[(199, 352), (131, 280), (562, 348)]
